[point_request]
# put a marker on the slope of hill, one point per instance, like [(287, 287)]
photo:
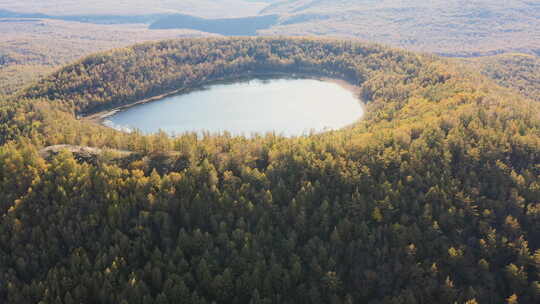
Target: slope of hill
[(517, 71), (453, 27), (433, 198), (201, 8), (30, 48), (450, 28), (96, 19)]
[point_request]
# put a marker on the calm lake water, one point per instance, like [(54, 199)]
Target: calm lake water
[(286, 106)]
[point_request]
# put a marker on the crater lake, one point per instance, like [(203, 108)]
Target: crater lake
[(289, 107)]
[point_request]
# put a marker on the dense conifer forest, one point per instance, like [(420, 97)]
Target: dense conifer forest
[(520, 72), (434, 197)]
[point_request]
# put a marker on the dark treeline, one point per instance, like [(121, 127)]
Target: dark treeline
[(433, 198), (245, 26)]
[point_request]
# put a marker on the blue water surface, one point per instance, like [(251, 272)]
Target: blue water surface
[(289, 107)]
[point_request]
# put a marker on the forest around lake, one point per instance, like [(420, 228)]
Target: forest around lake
[(432, 198), (38, 37)]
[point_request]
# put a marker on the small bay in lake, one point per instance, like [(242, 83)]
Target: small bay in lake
[(288, 107)]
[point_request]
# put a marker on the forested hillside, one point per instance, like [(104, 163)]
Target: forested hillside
[(31, 48), (517, 71), (432, 198)]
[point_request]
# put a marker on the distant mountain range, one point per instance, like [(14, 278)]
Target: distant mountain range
[(450, 28), (200, 8)]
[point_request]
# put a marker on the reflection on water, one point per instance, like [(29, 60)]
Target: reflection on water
[(286, 106)]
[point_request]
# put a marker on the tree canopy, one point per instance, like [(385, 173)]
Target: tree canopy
[(432, 198)]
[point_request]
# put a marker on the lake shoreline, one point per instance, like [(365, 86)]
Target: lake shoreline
[(100, 117)]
